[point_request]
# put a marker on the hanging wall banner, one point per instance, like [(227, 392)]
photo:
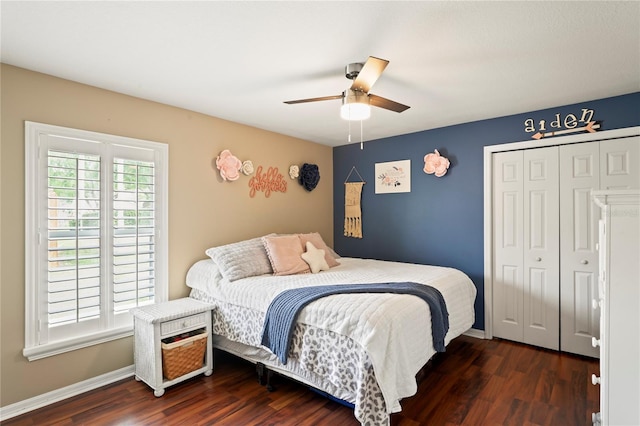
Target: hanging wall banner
[(352, 209)]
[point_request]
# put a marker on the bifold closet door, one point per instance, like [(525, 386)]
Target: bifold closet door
[(579, 175), (508, 282), (541, 248), (610, 164), (526, 253), (620, 163)]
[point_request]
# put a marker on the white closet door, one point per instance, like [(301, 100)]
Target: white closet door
[(620, 163), (508, 239), (545, 265), (579, 175), (526, 226), (541, 248)]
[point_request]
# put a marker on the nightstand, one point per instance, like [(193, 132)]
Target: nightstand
[(176, 325)]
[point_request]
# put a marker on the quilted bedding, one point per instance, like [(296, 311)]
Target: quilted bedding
[(393, 331)]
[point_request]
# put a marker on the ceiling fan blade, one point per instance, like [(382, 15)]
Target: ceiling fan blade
[(369, 74), (324, 98), (381, 102)]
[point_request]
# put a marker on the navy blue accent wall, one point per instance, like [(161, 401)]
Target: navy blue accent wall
[(440, 222)]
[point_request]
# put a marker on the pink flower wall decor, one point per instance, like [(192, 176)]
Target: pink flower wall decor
[(435, 163), (229, 165)]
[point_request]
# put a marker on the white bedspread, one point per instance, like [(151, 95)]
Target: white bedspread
[(394, 329)]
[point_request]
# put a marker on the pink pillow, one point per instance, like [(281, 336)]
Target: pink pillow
[(316, 239), (285, 255)]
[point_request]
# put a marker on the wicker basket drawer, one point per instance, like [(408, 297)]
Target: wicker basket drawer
[(176, 326), (183, 356)]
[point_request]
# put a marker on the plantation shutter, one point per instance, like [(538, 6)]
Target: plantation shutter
[(133, 233), (95, 236), (73, 238)]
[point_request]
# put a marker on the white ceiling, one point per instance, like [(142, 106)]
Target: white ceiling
[(452, 62)]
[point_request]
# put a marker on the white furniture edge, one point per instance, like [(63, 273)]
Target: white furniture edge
[(607, 201), (148, 326)]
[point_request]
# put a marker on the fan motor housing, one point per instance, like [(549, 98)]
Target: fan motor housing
[(351, 71)]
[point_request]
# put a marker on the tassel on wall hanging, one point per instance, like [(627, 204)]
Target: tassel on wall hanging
[(352, 209)]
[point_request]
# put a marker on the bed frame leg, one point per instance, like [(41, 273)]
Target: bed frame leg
[(260, 367), (263, 370), (270, 387)]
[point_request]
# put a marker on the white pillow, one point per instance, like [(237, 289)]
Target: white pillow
[(329, 255), (203, 275), (242, 259), (315, 258)]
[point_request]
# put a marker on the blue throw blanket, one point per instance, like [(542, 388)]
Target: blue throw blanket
[(285, 307)]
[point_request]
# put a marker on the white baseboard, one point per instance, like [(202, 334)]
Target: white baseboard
[(57, 395), (474, 332)]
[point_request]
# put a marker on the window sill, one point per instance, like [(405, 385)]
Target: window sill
[(34, 353)]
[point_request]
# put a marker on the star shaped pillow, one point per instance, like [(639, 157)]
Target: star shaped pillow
[(315, 258)]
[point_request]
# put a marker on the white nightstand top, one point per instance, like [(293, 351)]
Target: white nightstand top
[(170, 310)]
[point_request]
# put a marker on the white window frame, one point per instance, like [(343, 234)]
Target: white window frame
[(38, 137)]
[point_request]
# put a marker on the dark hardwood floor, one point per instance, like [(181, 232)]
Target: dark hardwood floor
[(476, 382)]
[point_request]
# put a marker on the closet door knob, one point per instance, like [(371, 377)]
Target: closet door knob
[(538, 259), (595, 379), (584, 261), (595, 342)]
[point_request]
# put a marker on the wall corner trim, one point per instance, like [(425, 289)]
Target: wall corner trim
[(474, 332)]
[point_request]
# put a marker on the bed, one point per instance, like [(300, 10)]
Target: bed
[(363, 349)]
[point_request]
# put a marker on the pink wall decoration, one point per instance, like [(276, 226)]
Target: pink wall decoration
[(435, 163), (229, 165), (267, 182)]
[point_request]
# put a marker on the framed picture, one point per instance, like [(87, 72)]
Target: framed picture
[(394, 176)]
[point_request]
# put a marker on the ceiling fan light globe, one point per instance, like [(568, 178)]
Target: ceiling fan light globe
[(355, 105), (355, 112)]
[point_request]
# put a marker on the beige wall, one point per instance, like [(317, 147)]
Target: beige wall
[(203, 210)]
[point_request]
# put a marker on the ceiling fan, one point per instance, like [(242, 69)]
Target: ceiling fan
[(356, 100)]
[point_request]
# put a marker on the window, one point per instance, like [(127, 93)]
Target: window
[(95, 235)]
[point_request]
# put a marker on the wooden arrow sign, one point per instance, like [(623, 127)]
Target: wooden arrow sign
[(591, 127)]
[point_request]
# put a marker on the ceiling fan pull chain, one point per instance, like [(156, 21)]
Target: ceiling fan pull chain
[(361, 142)]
